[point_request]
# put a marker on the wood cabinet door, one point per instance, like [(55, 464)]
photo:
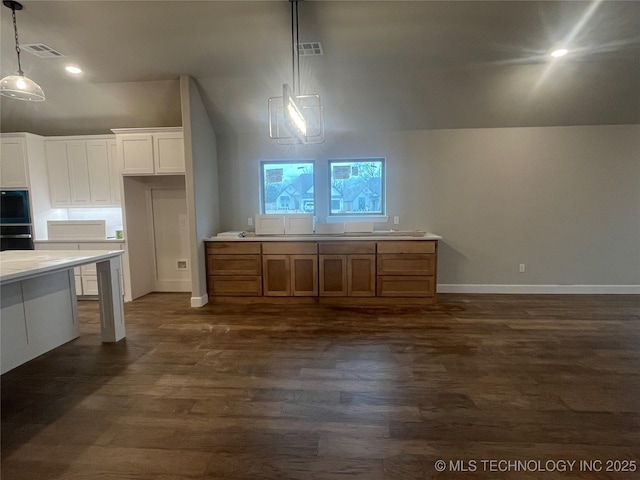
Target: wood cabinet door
[(13, 161), (168, 152), (234, 265), (58, 172), (99, 178), (406, 264), (406, 286), (234, 285), (304, 275), (361, 275), (333, 275), (276, 276)]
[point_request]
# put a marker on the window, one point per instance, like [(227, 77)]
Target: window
[(287, 187), (357, 186)]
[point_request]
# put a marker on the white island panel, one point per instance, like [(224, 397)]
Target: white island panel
[(39, 304)]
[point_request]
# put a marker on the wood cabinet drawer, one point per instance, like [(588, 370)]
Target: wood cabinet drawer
[(346, 248), (233, 248), (406, 286), (411, 246), (289, 248), (234, 265), (406, 264), (234, 285)]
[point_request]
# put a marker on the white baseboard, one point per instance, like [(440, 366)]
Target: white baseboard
[(172, 286), (197, 302), (540, 289)]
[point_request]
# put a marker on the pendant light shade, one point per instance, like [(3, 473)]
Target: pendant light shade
[(293, 117), (21, 88), (18, 86)]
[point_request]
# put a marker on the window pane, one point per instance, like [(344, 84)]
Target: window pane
[(357, 186), (287, 187)]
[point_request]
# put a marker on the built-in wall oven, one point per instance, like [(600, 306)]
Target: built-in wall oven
[(16, 230)]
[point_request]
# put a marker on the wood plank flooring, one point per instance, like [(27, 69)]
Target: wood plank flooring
[(318, 392)]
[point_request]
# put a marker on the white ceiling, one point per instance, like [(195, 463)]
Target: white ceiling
[(395, 65)]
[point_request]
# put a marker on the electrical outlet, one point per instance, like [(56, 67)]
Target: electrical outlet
[(250, 221), (396, 220), (521, 268)]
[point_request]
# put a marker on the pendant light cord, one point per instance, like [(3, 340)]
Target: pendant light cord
[(295, 48), (15, 29), (298, 50)]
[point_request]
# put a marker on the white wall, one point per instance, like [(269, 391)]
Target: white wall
[(565, 201), (201, 162)]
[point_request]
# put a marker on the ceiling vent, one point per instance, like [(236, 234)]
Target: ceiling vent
[(308, 49), (41, 50)]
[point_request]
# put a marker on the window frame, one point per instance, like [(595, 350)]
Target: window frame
[(262, 193), (383, 187)]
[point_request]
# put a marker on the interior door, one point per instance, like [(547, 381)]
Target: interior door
[(171, 240)]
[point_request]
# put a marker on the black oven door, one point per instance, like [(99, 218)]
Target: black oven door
[(14, 207), (16, 237)]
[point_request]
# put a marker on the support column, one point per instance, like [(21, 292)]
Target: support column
[(111, 303)]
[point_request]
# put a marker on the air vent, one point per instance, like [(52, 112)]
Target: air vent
[(41, 50), (308, 49)]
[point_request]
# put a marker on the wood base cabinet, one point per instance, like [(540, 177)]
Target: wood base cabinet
[(324, 271), (406, 269), (347, 269), (234, 269), (287, 275)]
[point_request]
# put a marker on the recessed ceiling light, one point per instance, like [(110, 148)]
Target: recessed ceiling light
[(561, 52), (73, 69)]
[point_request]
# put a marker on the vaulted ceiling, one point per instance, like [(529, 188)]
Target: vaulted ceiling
[(394, 65)]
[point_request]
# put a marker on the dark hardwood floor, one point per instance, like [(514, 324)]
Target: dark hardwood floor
[(317, 392)]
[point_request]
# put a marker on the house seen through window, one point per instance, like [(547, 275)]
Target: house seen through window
[(357, 186), (287, 187)]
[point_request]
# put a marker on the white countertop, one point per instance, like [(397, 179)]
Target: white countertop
[(106, 240), (17, 265), (377, 236)]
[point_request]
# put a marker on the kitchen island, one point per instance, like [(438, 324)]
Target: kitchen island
[(39, 304), (376, 268)]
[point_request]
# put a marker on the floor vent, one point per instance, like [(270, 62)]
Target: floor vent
[(41, 50)]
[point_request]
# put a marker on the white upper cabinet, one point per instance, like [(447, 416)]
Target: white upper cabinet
[(136, 153), (82, 171), (13, 163), (58, 170), (168, 152), (98, 170), (114, 171), (79, 173), (150, 151)]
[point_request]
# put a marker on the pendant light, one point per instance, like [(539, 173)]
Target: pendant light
[(293, 117), (18, 86)]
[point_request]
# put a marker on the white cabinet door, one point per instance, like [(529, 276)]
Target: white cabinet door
[(136, 153), (89, 285), (79, 173), (78, 280), (114, 172), (58, 171), (13, 163), (99, 177), (168, 152)]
